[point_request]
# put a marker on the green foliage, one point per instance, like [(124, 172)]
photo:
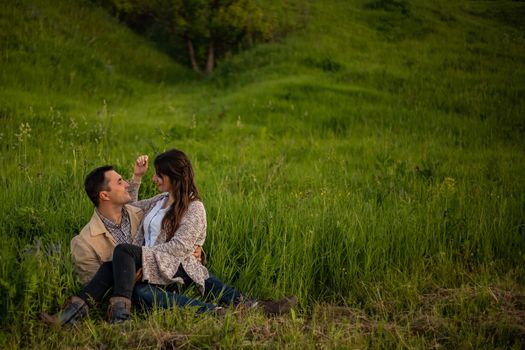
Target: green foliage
[(376, 174), (209, 28)]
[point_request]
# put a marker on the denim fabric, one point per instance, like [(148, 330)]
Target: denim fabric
[(101, 283), (127, 259), (214, 288), (150, 295)]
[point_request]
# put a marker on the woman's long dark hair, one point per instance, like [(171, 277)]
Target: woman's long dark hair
[(177, 167)]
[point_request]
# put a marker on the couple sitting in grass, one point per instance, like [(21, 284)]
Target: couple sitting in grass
[(141, 249)]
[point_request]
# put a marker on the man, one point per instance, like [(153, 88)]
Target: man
[(113, 222)]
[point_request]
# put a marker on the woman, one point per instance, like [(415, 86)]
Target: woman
[(174, 225)]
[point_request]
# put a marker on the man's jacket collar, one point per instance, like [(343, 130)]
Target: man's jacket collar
[(97, 226)]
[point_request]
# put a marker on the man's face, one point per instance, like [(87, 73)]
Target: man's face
[(117, 192)]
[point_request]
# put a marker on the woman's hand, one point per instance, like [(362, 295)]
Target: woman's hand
[(198, 253), (141, 166)]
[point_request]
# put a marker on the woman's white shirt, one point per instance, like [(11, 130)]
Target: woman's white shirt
[(153, 222)]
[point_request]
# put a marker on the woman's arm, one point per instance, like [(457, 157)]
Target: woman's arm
[(139, 169), (148, 203)]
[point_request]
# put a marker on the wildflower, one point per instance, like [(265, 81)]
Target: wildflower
[(73, 125), (193, 121), (239, 123), (450, 183), (24, 132)]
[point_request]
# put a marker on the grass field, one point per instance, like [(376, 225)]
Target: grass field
[(371, 163)]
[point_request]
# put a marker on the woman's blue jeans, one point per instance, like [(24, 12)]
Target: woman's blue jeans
[(151, 295)]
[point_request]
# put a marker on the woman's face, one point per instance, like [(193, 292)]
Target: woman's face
[(162, 181)]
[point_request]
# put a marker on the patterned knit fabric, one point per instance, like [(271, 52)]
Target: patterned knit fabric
[(161, 262)]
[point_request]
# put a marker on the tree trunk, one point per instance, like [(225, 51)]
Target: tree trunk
[(211, 57), (191, 52)]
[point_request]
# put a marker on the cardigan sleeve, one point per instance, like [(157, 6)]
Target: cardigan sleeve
[(147, 204), (191, 232), (133, 189)]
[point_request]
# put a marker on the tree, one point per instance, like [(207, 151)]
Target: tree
[(213, 27)]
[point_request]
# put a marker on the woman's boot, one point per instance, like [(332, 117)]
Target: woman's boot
[(75, 310), (119, 309)]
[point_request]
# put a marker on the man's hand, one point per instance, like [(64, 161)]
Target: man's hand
[(141, 166), (198, 254)]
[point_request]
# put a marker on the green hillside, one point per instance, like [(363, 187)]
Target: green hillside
[(370, 162)]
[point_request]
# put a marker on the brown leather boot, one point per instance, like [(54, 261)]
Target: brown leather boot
[(75, 310), (119, 310)]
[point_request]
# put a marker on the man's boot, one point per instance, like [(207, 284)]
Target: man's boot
[(119, 310), (278, 307), (75, 310)]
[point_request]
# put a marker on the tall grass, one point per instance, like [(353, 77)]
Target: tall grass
[(371, 164)]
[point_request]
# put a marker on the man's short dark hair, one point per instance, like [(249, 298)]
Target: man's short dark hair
[(95, 182)]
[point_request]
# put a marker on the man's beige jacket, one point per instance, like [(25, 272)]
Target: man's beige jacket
[(94, 245)]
